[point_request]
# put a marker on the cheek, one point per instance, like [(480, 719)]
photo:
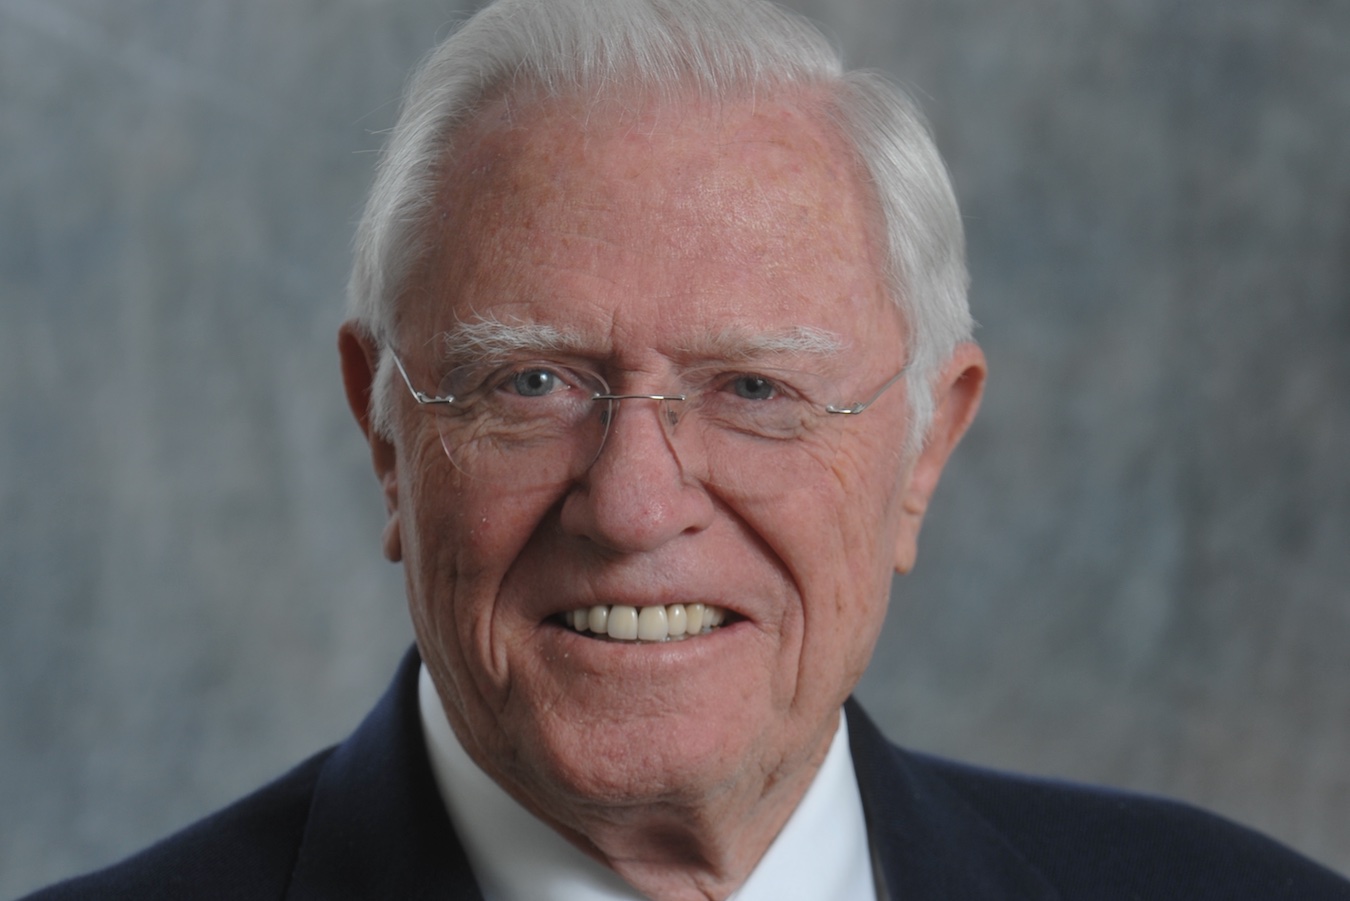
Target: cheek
[(847, 549), (872, 472), (834, 527), (858, 502), (461, 529), (460, 538), (452, 583)]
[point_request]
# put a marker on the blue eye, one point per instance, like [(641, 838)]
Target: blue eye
[(535, 382), (754, 387)]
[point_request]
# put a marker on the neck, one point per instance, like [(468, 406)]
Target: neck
[(699, 845), (700, 849)]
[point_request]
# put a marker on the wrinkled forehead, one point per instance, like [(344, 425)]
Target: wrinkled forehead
[(735, 198), (723, 157), (795, 122)]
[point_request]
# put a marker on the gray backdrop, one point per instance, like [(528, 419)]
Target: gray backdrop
[(1135, 571)]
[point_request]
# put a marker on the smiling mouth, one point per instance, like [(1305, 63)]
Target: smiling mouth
[(620, 622)]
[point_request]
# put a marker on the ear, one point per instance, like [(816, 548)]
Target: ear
[(360, 361), (956, 397)]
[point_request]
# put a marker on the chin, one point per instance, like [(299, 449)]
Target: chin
[(634, 759)]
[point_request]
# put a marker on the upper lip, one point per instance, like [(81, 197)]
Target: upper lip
[(565, 601), (559, 585), (634, 601)]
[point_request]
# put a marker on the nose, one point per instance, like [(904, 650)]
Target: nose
[(638, 495)]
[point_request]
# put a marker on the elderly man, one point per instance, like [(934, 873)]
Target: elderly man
[(660, 343)]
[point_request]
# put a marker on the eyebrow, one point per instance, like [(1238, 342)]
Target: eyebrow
[(487, 338), (741, 344)]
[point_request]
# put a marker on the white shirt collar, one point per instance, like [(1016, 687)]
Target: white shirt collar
[(822, 851)]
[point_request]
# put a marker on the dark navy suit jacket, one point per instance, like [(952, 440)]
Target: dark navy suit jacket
[(365, 820)]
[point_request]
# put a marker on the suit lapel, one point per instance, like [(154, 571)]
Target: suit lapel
[(376, 827), (929, 842)]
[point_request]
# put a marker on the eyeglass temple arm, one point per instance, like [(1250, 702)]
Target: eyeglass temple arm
[(417, 395), (856, 408)]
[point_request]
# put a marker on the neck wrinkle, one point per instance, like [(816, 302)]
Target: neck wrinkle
[(710, 859)]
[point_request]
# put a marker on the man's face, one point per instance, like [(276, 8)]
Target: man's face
[(656, 239)]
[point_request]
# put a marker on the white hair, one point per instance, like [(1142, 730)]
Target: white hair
[(721, 49)]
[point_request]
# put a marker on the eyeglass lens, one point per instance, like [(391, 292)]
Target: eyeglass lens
[(542, 424)]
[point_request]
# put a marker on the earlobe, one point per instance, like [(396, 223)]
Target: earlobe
[(360, 361), (392, 541), (956, 395)]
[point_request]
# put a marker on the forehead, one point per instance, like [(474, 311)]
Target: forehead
[(736, 215)]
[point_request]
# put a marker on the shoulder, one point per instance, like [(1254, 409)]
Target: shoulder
[(1100, 843), (246, 850), (1062, 840), (360, 820)]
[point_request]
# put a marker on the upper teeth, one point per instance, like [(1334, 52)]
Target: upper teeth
[(646, 623)]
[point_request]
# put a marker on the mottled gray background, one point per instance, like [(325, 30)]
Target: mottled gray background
[(1136, 568)]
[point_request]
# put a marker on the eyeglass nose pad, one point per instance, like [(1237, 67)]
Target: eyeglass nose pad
[(669, 415), (683, 443)]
